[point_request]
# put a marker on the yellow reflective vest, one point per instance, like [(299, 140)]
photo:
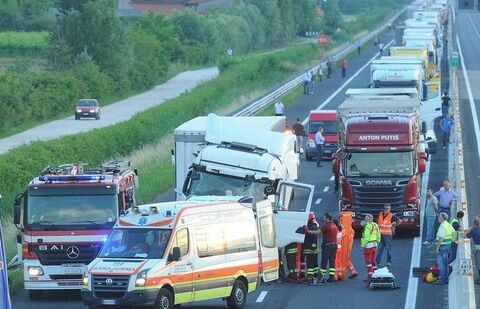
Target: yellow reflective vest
[(371, 233)]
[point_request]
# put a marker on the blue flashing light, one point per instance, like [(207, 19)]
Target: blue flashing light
[(72, 178)]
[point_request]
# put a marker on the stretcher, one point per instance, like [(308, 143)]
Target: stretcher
[(382, 278)]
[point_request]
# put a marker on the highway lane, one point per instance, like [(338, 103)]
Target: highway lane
[(468, 30)]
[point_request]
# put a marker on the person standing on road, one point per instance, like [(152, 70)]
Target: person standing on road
[(359, 47), (444, 240), (347, 244), (457, 226), (279, 108), (329, 68), (319, 141), (299, 131), (380, 48), (344, 66), (474, 234), (431, 211), (446, 125), (306, 82), (387, 222), (369, 242), (310, 246), (445, 103), (446, 197), (320, 72), (329, 248)]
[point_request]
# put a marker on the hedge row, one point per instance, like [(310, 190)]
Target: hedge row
[(20, 165)]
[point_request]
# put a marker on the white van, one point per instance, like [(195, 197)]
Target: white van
[(172, 253)]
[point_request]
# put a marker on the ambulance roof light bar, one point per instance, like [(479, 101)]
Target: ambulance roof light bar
[(72, 178)]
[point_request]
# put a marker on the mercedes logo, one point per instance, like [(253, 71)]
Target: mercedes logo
[(73, 252), (109, 281)]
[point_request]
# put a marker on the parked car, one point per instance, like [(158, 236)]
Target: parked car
[(87, 108)]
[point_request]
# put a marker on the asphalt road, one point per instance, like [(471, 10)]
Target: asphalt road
[(346, 294), (113, 113)]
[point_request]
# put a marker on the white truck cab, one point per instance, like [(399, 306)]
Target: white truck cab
[(172, 253)]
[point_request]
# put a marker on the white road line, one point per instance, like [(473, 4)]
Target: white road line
[(326, 189), (411, 300), (473, 108), (333, 95), (453, 10), (332, 178), (261, 297), (318, 201)]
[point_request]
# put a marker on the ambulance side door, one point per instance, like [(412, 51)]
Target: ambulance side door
[(267, 243), (292, 205), (183, 269)]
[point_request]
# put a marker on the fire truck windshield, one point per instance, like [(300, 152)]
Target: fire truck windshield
[(380, 164), (329, 127), (220, 185), (141, 243), (47, 210)]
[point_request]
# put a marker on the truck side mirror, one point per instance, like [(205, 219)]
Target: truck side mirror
[(175, 255), (422, 165), (16, 214), (424, 127)]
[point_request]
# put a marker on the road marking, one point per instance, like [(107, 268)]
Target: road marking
[(326, 189), (261, 297), (453, 9), (333, 95), (411, 300), (318, 201), (473, 108), (332, 178)]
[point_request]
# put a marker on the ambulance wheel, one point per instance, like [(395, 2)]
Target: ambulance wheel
[(35, 294), (238, 297), (164, 299)]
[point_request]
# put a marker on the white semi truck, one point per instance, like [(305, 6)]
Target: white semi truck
[(219, 156)]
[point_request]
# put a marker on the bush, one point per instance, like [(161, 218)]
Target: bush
[(17, 43)]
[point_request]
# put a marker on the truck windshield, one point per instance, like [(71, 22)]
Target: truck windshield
[(220, 185), (140, 243), (329, 127), (381, 164), (71, 211)]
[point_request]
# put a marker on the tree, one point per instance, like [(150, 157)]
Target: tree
[(332, 16)]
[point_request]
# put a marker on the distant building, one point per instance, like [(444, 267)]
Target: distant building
[(143, 7)]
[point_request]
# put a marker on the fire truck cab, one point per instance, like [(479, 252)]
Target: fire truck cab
[(63, 216)]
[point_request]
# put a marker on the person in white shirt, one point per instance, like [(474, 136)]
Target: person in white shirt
[(306, 82), (279, 108), (319, 141)]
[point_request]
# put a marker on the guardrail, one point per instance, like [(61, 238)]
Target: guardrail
[(260, 103), (461, 292)]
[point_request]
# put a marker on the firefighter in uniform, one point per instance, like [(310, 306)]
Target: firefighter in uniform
[(291, 256), (329, 248), (310, 246), (369, 242)]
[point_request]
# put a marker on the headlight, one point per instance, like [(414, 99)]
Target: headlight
[(85, 279), (141, 278), (35, 271), (79, 110), (409, 213), (92, 111)]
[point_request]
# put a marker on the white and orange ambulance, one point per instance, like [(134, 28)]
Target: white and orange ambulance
[(171, 253)]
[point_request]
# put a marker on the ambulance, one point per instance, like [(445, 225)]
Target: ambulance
[(167, 254)]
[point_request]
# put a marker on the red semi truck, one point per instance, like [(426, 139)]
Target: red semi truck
[(327, 119), (380, 159)]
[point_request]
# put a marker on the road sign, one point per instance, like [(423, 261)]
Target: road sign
[(465, 267), (322, 39), (4, 294), (454, 60)]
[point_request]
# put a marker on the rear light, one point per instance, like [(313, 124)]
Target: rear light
[(27, 254)]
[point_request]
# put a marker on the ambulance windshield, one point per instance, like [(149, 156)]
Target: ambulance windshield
[(142, 243)]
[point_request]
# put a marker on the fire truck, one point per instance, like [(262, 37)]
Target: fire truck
[(63, 217), (381, 159)]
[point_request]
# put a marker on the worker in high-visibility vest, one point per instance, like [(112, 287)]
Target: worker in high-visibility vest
[(369, 242), (443, 243), (346, 221), (457, 226), (387, 221)]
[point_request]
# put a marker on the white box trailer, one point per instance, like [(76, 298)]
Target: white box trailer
[(382, 93)]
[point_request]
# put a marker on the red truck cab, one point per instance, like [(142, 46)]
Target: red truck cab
[(327, 119)]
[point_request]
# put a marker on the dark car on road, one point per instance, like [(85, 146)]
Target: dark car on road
[(87, 108)]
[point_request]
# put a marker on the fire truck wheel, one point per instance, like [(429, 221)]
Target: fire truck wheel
[(35, 294), (238, 297), (164, 299)]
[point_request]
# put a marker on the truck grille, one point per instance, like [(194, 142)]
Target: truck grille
[(105, 286), (372, 198), (66, 254)]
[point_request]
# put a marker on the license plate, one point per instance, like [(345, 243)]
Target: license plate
[(327, 151), (85, 113), (73, 270), (108, 302)]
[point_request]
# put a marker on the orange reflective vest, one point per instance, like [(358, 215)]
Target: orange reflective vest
[(385, 224)]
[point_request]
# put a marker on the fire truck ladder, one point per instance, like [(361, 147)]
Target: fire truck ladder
[(64, 169)]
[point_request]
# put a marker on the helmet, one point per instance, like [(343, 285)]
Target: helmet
[(311, 217), (431, 278)]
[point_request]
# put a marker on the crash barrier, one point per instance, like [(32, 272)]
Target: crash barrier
[(461, 293), (4, 292), (260, 103)]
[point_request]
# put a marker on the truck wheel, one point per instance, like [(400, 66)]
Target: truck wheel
[(35, 294), (238, 297), (164, 299)]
